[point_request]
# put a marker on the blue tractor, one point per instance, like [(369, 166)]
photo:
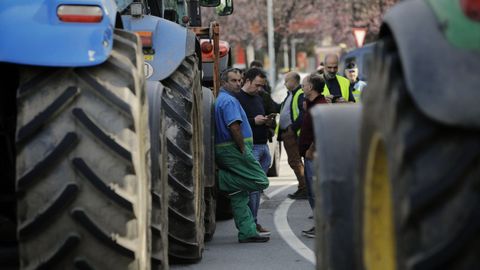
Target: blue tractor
[(75, 183), (174, 67), (83, 179)]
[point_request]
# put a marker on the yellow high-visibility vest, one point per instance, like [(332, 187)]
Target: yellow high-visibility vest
[(295, 109), (344, 87)]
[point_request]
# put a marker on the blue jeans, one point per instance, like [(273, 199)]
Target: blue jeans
[(309, 181), (262, 155)]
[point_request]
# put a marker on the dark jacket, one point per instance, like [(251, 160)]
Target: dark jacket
[(297, 124), (253, 106), (307, 135)]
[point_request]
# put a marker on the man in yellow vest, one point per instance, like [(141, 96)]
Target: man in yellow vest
[(337, 88), (288, 130)]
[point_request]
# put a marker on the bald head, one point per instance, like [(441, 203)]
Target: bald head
[(292, 80), (331, 66), (331, 57)]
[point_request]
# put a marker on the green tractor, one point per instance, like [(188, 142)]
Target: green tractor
[(403, 192)]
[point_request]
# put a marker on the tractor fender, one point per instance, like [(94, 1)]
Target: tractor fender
[(337, 132), (32, 34), (171, 44), (440, 78)]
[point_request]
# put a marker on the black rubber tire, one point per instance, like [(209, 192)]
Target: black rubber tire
[(182, 102), (210, 213), (433, 170), (274, 170), (82, 181), (336, 143), (8, 222), (224, 206), (159, 176), (210, 195)]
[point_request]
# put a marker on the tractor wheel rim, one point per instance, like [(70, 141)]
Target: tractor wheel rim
[(378, 237)]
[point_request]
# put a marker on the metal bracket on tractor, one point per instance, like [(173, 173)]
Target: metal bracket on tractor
[(213, 33)]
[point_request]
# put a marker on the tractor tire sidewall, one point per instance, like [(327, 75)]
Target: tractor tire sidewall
[(159, 177), (210, 195), (336, 128), (223, 204), (82, 181), (210, 213)]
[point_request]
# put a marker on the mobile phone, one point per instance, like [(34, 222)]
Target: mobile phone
[(272, 115)]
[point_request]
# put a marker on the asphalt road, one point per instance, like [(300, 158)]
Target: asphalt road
[(285, 218)]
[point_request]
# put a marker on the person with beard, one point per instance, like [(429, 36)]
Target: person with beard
[(337, 88), (260, 122), (270, 105)]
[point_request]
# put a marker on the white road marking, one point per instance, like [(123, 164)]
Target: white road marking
[(281, 222), (283, 228), (281, 183)]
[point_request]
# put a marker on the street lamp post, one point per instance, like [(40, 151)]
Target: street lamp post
[(271, 48)]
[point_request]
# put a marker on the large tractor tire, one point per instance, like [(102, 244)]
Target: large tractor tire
[(210, 193), (223, 204), (210, 212), (418, 200), (82, 184), (182, 102), (336, 141), (159, 174)]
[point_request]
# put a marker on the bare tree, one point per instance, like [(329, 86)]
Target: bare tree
[(309, 20)]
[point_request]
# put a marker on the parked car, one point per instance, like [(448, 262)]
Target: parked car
[(362, 57)]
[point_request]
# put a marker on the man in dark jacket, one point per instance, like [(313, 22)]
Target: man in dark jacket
[(268, 103), (260, 123), (291, 116)]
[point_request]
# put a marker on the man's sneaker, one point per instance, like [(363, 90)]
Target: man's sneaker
[(262, 231), (254, 239), (309, 233), (300, 194)]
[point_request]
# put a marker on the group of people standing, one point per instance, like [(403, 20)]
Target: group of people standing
[(244, 118), (241, 150)]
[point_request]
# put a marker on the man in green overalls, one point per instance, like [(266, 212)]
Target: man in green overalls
[(239, 171)]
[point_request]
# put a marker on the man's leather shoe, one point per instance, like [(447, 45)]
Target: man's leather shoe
[(300, 194), (255, 239), (262, 231)]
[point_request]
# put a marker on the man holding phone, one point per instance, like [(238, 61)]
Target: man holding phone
[(253, 105), (337, 88)]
